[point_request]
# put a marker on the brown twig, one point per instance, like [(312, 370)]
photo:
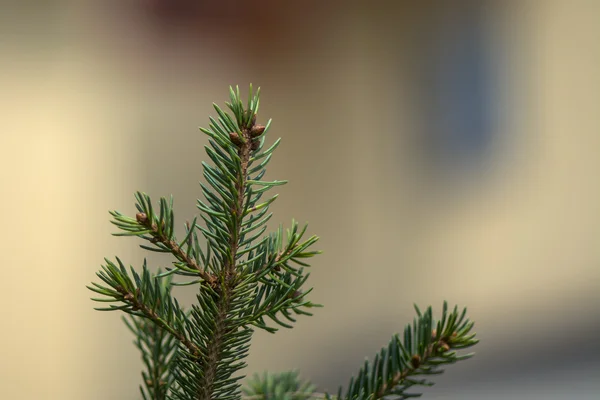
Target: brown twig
[(132, 298), (175, 249)]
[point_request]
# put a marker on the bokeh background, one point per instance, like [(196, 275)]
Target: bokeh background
[(441, 150)]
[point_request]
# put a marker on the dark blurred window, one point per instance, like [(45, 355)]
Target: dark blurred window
[(456, 93)]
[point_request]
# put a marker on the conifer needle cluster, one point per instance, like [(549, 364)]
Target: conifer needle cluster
[(246, 279)]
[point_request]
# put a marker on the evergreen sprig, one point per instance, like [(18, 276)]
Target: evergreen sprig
[(423, 348), (285, 385), (158, 348), (246, 279)]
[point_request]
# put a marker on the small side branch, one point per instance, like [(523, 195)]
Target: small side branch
[(436, 348), (149, 313), (176, 250)]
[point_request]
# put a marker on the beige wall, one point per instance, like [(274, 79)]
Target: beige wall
[(91, 100)]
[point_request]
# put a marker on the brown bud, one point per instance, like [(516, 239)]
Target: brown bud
[(415, 360), (235, 138), (257, 130), (434, 333), (128, 297), (444, 347), (255, 145), (141, 218)]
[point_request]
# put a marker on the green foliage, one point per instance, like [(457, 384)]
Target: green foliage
[(424, 347), (285, 386), (246, 279), (158, 348)]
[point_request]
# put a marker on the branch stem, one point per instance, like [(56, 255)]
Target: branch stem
[(180, 254), (227, 279), (416, 361), (153, 316)]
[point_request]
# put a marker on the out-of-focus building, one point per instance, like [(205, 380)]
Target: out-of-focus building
[(441, 151)]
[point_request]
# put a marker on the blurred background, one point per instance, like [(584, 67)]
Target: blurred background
[(441, 150)]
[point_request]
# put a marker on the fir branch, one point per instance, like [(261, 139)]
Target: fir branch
[(171, 244), (235, 294), (223, 344), (422, 352), (286, 385), (246, 278), (220, 323), (159, 349), (158, 230), (279, 294), (142, 297)]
